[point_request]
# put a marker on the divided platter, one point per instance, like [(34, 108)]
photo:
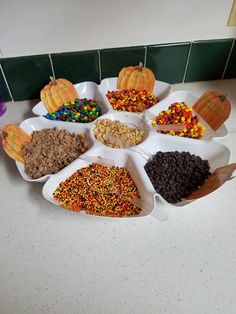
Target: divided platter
[(133, 158)]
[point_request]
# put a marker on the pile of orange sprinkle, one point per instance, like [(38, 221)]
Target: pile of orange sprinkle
[(99, 190)]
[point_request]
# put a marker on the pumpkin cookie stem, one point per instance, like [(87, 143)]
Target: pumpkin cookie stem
[(140, 66), (224, 96), (3, 134), (53, 81)]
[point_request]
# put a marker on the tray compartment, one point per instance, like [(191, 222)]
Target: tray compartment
[(123, 159), (39, 123)]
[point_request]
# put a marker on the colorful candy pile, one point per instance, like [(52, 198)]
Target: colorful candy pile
[(180, 113), (131, 100), (81, 110), (99, 190)]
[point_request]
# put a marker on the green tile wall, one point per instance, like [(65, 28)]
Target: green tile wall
[(231, 66), (172, 63), (113, 60), (77, 66), (207, 60), (26, 76), (168, 61), (4, 93)]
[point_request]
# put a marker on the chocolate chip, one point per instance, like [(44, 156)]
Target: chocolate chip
[(176, 175)]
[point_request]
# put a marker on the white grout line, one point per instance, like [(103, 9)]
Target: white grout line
[(53, 72), (145, 57), (227, 61), (99, 66), (5, 79), (187, 62)]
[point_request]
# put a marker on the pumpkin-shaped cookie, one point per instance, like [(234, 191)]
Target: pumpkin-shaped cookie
[(136, 77), (214, 108), (13, 137), (57, 92)]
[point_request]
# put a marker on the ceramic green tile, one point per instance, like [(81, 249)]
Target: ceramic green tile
[(168, 61), (26, 76), (207, 60), (4, 93), (231, 66), (113, 60), (77, 66)]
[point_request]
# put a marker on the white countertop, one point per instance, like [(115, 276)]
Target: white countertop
[(57, 261)]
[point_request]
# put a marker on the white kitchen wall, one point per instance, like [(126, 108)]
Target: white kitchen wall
[(46, 26)]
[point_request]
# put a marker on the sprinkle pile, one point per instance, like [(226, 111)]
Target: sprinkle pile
[(81, 110), (99, 190), (131, 100), (180, 113)]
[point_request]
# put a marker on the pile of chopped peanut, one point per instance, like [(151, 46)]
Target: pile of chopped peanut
[(116, 134)]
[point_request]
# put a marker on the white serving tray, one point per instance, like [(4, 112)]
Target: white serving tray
[(133, 158), (97, 92)]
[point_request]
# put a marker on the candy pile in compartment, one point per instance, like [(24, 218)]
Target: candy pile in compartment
[(180, 113), (131, 100), (80, 111), (99, 190)]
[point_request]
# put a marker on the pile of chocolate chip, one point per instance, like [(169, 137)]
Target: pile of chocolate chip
[(175, 175)]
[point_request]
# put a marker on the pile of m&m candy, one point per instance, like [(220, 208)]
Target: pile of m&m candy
[(81, 110), (131, 100), (180, 113)]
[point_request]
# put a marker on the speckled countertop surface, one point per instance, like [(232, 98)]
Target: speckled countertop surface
[(57, 261)]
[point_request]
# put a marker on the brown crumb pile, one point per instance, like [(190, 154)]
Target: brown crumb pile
[(51, 150)]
